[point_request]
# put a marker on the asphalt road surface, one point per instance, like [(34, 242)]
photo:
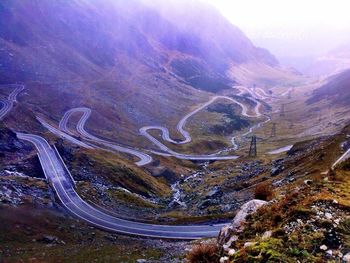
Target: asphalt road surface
[(59, 177), (163, 149), (7, 105), (64, 135), (63, 126)]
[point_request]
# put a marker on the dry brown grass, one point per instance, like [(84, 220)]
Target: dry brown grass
[(263, 191), (203, 253)]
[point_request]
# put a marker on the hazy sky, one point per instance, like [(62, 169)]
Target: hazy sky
[(291, 27)]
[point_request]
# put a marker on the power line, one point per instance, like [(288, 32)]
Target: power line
[(252, 149), (273, 130), (282, 113)]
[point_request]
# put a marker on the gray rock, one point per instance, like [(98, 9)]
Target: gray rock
[(208, 202), (346, 258), (227, 232), (276, 170), (308, 182), (249, 244), (247, 209), (111, 238), (215, 193), (266, 235), (323, 247), (328, 215), (292, 179), (49, 239)]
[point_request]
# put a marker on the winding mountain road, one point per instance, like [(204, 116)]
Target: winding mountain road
[(7, 105), (145, 158), (63, 126), (64, 135), (187, 137), (58, 175)]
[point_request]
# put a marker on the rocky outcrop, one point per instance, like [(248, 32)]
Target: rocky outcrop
[(8, 141), (228, 234), (15, 155), (17, 189)]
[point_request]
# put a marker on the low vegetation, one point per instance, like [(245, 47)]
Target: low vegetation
[(232, 122), (112, 170), (309, 224), (263, 191), (203, 253), (32, 234), (308, 216)]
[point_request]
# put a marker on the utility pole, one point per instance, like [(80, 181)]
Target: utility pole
[(282, 113), (252, 149), (273, 130)]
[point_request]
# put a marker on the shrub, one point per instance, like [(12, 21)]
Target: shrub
[(345, 165), (263, 192), (344, 229), (203, 253)]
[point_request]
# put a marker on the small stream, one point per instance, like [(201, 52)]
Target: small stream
[(176, 200), (176, 187)]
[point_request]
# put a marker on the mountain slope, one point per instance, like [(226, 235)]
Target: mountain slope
[(221, 44), (333, 62), (121, 58), (336, 90)]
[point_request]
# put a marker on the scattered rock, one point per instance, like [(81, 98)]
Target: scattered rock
[(224, 259), (328, 215), (278, 183), (111, 238), (266, 235), (276, 170), (227, 234), (249, 244), (332, 239), (50, 239), (215, 193), (323, 247), (346, 258), (247, 209), (228, 244), (308, 182), (206, 203), (292, 179)]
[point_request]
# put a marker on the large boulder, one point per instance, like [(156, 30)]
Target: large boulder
[(228, 234)]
